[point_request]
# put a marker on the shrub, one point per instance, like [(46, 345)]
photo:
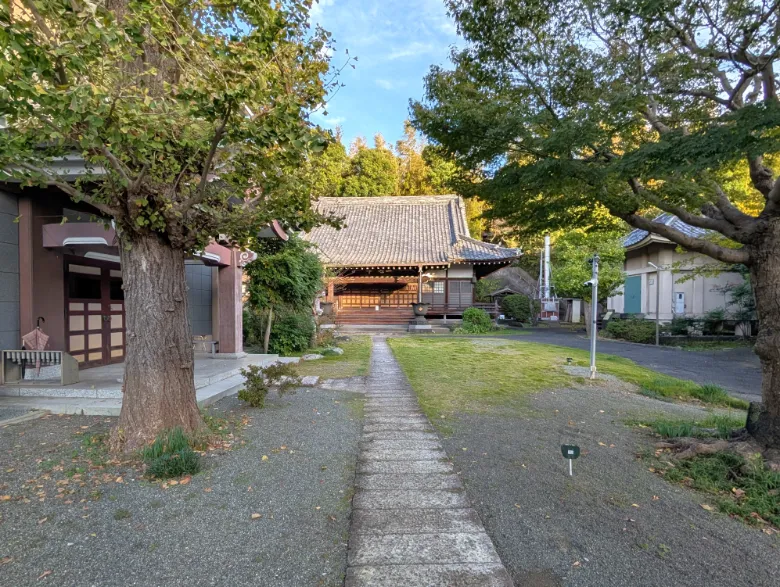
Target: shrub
[(711, 394), (259, 379), (517, 306), (632, 330), (291, 333), (170, 455), (713, 321), (679, 326), (476, 321)]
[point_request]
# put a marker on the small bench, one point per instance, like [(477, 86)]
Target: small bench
[(205, 344), (14, 362)]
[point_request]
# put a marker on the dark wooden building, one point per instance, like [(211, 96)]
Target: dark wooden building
[(393, 246)]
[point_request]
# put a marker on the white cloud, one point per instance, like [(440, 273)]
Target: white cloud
[(412, 49), (323, 120), (316, 9), (385, 84)]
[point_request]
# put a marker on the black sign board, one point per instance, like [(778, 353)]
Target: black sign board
[(570, 451)]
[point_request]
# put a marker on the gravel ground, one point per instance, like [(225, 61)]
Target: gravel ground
[(614, 523), (10, 413), (90, 529)]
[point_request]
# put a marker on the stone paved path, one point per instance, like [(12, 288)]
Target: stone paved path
[(412, 524)]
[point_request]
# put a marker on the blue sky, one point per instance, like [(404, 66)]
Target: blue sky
[(395, 41)]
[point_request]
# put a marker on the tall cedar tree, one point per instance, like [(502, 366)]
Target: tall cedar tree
[(190, 116), (633, 106)]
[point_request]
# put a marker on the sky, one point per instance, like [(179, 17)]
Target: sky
[(396, 42)]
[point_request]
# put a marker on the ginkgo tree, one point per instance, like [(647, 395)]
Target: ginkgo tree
[(569, 108), (191, 117)]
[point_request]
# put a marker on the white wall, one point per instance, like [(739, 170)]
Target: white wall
[(457, 271), (702, 294)]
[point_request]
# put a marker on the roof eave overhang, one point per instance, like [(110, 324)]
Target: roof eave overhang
[(648, 240)]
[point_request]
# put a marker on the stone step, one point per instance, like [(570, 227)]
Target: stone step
[(408, 481), (400, 467), (401, 455), (406, 549), (458, 575), (400, 435), (409, 499), (417, 521), (431, 444)]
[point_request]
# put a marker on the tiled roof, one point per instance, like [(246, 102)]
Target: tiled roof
[(637, 235), (401, 230)]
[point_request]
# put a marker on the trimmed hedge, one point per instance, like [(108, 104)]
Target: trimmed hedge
[(632, 330), (518, 307)]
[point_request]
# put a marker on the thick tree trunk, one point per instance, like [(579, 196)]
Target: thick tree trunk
[(764, 420), (588, 317), (159, 385), (267, 337)]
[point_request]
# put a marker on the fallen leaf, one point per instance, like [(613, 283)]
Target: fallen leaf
[(257, 516), (738, 492), (602, 444), (317, 507), (6, 559), (207, 490), (119, 480), (173, 482), (656, 498), (517, 505), (633, 505), (5, 498), (42, 520), (265, 458), (44, 574), (576, 564), (707, 507), (601, 411), (11, 470), (185, 480)]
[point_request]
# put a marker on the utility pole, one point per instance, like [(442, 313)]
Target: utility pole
[(657, 302), (594, 303)]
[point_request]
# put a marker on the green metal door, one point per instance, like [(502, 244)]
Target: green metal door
[(633, 295)]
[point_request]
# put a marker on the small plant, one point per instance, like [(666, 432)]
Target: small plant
[(259, 379), (122, 514), (713, 321), (679, 326), (475, 321), (672, 429), (711, 394), (170, 455)]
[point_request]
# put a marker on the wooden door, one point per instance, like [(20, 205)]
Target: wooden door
[(632, 295), (461, 293), (94, 314)]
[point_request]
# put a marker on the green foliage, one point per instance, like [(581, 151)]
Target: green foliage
[(631, 110), (156, 97), (475, 321), (632, 330), (258, 380), (713, 321), (484, 288), (518, 307), (713, 426), (328, 169), (170, 455), (286, 274), (255, 387), (291, 333), (372, 172), (739, 486), (679, 326), (571, 253)]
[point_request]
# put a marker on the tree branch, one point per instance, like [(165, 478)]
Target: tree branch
[(69, 189), (200, 193), (118, 166), (690, 243)]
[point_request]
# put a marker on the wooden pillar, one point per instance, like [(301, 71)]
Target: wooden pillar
[(26, 270), (419, 284), (231, 309)]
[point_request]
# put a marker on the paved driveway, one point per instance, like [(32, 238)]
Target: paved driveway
[(737, 370)]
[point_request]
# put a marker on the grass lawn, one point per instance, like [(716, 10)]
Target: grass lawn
[(353, 363), (466, 375), (714, 345)]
